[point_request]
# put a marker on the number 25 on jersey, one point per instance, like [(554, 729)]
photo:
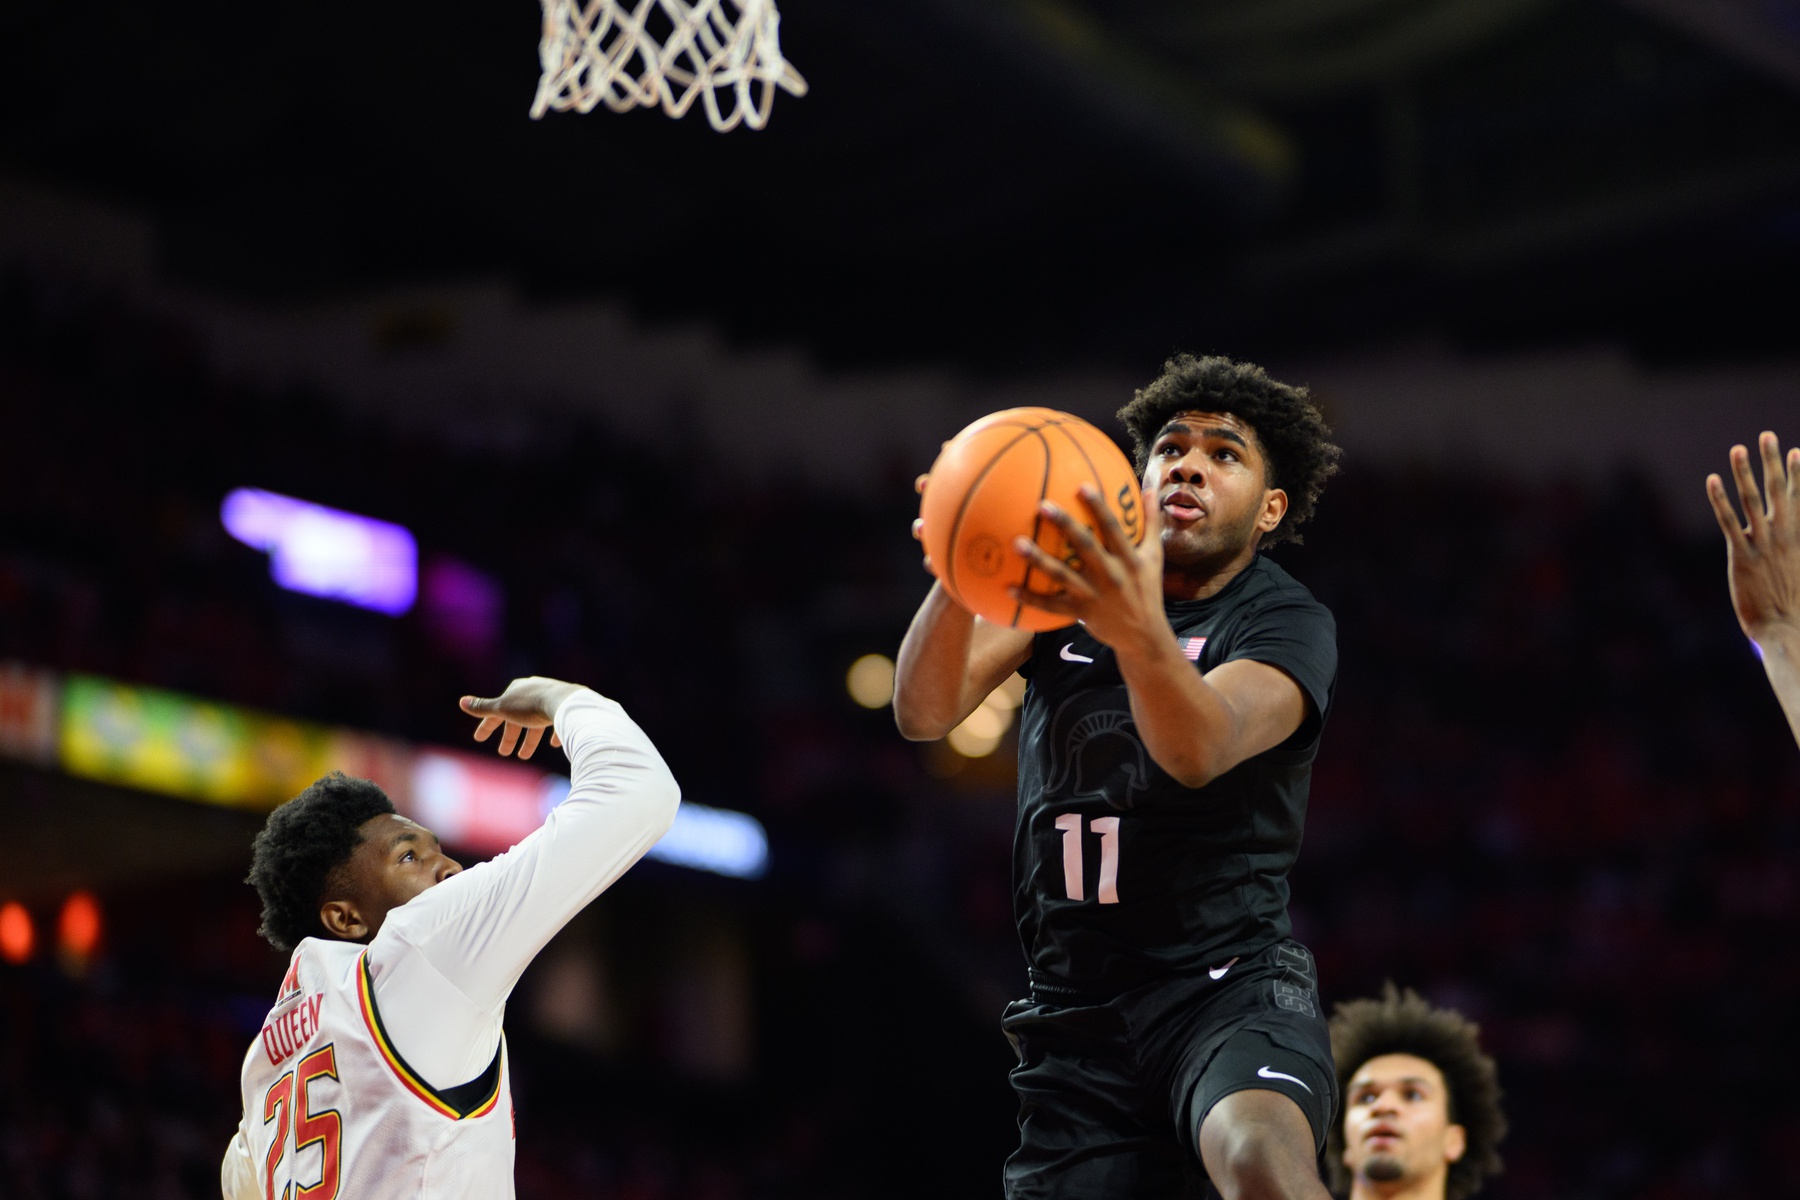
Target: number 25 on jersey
[(1073, 876), (324, 1128)]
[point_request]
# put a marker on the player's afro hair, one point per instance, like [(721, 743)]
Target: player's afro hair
[(1295, 440), (299, 846), (1403, 1023)]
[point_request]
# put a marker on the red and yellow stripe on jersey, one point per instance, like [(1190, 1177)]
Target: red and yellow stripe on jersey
[(365, 994)]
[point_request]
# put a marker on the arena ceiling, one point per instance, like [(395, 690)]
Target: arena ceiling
[(996, 183)]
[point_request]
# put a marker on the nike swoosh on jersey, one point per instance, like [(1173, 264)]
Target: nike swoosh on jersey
[(1069, 655), (1265, 1073), (1219, 972)]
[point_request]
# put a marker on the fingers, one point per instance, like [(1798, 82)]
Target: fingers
[(1056, 602), (477, 706), (1088, 552), (1748, 495), (1728, 520), (520, 712), (556, 739), (1112, 534), (1775, 481), (1056, 571), (918, 532), (1791, 509), (919, 484)]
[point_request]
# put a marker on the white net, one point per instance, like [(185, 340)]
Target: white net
[(630, 53)]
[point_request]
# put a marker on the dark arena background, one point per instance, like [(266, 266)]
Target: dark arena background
[(648, 401)]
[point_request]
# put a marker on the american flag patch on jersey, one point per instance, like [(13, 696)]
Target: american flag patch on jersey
[(1191, 648)]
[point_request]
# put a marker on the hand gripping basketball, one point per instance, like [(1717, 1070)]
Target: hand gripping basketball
[(1109, 584), (985, 490)]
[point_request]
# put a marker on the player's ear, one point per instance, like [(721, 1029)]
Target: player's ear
[(1275, 506), (343, 920), (1456, 1143)]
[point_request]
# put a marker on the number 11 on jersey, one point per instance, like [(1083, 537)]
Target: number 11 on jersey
[(1073, 876)]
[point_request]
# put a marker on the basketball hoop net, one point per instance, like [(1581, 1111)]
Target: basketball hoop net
[(630, 53)]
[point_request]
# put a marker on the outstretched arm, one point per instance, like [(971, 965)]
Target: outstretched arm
[(445, 962), (621, 800), (1763, 562)]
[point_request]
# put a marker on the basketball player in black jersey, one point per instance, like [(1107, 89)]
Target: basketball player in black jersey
[(1173, 1031)]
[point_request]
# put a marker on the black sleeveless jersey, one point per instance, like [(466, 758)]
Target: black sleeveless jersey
[(1121, 875)]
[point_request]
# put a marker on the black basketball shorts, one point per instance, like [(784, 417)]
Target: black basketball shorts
[(1112, 1092)]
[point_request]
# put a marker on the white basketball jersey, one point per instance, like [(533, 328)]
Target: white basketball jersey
[(331, 1109)]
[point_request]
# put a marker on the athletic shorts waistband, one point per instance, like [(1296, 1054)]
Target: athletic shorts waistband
[(1049, 989)]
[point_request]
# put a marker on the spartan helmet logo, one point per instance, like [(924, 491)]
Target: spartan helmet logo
[(1096, 754)]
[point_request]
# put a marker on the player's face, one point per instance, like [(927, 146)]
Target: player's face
[(1397, 1122), (1206, 472), (395, 861)]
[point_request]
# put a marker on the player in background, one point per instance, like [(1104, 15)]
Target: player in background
[(381, 1071), (1422, 1117), (1165, 752), (1763, 562)]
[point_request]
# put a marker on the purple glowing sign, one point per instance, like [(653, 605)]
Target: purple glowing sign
[(327, 552)]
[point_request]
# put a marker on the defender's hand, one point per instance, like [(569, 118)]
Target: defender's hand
[(1114, 587), (1763, 556), (527, 706)]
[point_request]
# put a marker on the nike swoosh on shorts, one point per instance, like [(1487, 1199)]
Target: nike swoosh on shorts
[(1069, 655), (1265, 1073), (1219, 972)]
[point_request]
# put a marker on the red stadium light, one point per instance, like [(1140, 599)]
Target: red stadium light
[(78, 928), (17, 937)]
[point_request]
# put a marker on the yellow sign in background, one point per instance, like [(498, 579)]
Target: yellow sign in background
[(166, 742)]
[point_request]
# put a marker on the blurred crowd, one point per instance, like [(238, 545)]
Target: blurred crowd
[(1554, 792)]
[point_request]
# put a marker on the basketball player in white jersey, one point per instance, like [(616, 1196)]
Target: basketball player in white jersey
[(381, 1071)]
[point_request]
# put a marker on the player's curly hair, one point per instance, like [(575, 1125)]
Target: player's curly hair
[(1295, 440), (1402, 1022), (300, 845)]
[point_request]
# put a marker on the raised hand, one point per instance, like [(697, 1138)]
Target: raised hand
[(525, 709), (1113, 587), (1763, 563), (1763, 554)]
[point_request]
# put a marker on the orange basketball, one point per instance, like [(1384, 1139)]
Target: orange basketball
[(985, 489)]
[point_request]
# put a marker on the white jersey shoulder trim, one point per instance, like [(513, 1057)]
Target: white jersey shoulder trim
[(463, 1102)]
